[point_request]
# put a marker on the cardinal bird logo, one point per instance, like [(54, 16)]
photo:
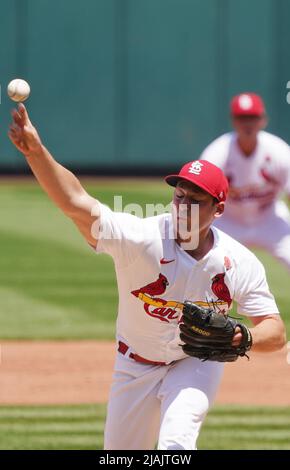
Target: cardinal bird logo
[(266, 172), (220, 288), (268, 177), (157, 287)]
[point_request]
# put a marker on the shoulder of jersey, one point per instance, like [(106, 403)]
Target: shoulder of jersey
[(275, 142), (223, 139), (159, 219), (235, 249), (156, 223), (217, 147)]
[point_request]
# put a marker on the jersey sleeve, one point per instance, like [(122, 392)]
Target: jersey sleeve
[(121, 235), (217, 152), (282, 164), (253, 295), (287, 171)]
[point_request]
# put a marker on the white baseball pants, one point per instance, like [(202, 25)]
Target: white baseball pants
[(159, 404)]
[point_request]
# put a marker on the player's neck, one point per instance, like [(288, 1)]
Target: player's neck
[(247, 147), (206, 241)]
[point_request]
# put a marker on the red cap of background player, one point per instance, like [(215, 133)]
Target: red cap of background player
[(204, 174), (247, 104)]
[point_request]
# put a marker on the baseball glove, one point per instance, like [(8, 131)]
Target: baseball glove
[(208, 335)]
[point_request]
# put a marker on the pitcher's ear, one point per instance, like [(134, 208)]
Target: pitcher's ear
[(219, 209)]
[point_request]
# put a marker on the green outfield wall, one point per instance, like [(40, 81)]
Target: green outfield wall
[(128, 84)]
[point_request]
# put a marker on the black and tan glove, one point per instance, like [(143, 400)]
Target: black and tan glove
[(208, 334)]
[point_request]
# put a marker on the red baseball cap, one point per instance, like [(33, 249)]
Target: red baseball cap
[(204, 174), (247, 104)]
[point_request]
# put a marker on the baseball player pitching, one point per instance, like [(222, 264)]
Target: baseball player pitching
[(257, 165), (174, 333)]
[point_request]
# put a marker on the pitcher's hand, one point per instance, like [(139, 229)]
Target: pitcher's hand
[(22, 133)]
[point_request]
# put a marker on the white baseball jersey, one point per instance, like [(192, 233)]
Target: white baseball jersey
[(257, 181), (155, 276)]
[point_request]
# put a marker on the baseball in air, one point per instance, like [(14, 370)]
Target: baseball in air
[(18, 90)]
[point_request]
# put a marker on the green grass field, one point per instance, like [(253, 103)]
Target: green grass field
[(53, 286), (81, 427)]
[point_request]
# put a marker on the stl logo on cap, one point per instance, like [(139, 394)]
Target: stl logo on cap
[(195, 168), (245, 102)]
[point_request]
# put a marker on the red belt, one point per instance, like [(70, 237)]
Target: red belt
[(123, 348)]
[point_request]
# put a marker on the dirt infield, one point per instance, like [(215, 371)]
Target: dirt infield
[(80, 372)]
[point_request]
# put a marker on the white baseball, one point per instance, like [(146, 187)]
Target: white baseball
[(18, 89)]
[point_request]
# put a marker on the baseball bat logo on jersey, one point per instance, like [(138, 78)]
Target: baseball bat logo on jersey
[(170, 310)]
